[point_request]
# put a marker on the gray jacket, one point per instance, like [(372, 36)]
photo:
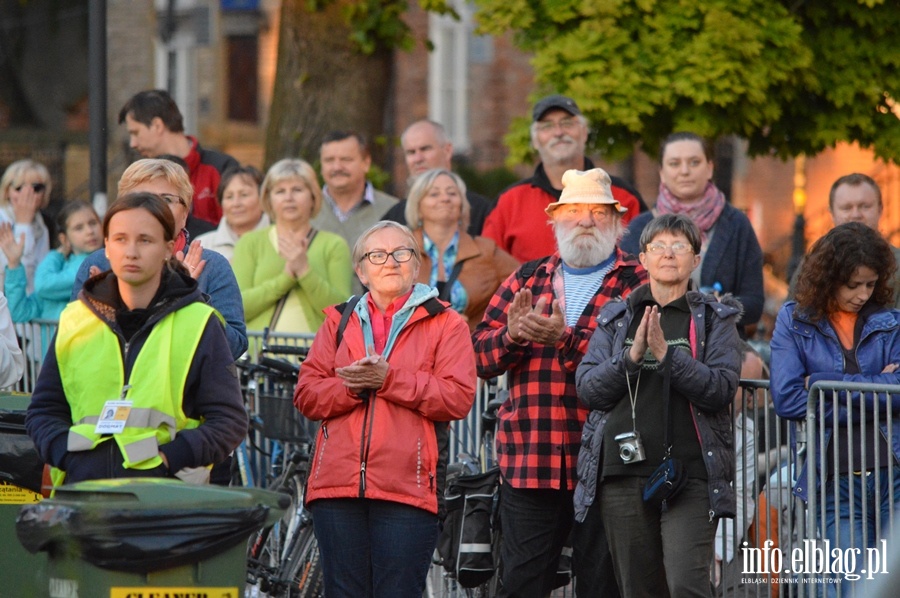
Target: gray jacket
[(708, 381)]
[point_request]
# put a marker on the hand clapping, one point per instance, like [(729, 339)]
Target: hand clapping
[(649, 334), (11, 247), (193, 260), (293, 249), (364, 374), (527, 323)]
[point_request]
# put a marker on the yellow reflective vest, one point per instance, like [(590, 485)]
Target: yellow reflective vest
[(92, 371)]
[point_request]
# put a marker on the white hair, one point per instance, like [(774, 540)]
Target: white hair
[(582, 251)]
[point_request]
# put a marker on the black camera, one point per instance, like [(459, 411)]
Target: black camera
[(631, 449)]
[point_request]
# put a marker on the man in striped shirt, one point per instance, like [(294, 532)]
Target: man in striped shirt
[(537, 328)]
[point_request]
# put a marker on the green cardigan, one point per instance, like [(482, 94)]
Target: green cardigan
[(260, 275)]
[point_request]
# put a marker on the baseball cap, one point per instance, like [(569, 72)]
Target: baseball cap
[(554, 101)]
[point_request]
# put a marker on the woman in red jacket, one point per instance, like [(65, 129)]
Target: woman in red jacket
[(404, 367)]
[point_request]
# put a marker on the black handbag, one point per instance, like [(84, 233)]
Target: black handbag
[(665, 483), (670, 477)]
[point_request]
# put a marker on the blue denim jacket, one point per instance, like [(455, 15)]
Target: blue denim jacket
[(801, 348), (216, 282)]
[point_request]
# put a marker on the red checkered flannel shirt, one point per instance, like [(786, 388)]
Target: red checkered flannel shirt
[(539, 426)]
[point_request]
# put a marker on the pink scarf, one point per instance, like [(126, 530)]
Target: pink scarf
[(704, 213)]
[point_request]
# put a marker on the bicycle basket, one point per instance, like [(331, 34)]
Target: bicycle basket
[(282, 421)]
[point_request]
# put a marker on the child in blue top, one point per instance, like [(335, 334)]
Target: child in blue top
[(79, 235)]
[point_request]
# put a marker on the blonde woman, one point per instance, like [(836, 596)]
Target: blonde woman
[(289, 272), (465, 270), (25, 190)]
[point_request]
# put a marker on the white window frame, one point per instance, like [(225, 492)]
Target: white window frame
[(448, 92)]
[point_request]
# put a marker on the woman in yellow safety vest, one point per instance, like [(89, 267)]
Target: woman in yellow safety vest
[(138, 380)]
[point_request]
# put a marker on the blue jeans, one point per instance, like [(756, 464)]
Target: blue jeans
[(373, 548), (845, 526)]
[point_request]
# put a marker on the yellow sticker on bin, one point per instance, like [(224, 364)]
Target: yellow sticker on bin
[(173, 592), (10, 494)]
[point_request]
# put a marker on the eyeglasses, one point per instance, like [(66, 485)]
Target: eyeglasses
[(566, 124), (38, 187), (172, 200), (379, 258), (677, 248)]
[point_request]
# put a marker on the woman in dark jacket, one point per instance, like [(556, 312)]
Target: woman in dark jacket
[(731, 259), (138, 380), (663, 334)]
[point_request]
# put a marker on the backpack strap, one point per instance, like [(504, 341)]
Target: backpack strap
[(527, 270), (433, 306), (346, 310), (448, 285)]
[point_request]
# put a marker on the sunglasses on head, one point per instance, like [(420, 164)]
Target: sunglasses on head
[(38, 187)]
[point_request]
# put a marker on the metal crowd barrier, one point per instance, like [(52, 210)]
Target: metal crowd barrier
[(34, 338), (776, 547), (782, 547), (867, 412)]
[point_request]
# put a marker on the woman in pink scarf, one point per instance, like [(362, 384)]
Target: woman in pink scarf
[(731, 259)]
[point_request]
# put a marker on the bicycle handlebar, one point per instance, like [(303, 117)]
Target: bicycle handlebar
[(285, 350), (279, 366)]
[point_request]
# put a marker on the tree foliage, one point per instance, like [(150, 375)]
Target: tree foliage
[(790, 76)]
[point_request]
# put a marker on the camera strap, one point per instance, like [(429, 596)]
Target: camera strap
[(632, 397), (667, 413)]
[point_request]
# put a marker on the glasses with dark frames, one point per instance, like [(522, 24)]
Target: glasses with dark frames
[(379, 258)]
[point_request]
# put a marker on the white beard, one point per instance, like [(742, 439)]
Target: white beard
[(583, 251)]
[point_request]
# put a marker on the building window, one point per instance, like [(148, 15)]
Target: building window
[(448, 85), (243, 77), (175, 74)]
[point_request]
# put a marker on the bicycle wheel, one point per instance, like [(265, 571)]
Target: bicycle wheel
[(302, 571), (269, 549)]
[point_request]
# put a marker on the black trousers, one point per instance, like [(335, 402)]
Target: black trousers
[(534, 527), (595, 575)]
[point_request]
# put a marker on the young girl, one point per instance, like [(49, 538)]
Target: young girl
[(80, 235)]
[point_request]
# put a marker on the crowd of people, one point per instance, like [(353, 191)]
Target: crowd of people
[(618, 329)]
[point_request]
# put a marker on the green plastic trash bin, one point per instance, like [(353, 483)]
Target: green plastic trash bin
[(146, 537), (20, 484)]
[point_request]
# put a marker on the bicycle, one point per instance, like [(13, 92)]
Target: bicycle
[(282, 560), (268, 384)]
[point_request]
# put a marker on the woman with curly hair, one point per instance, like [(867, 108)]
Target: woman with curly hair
[(842, 328)]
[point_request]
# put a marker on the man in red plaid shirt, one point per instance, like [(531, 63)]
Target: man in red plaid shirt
[(536, 329)]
